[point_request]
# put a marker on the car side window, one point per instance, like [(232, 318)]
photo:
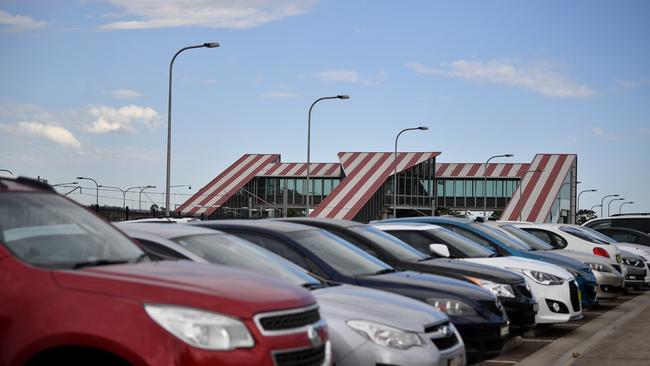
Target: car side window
[(357, 243), (475, 238), (159, 252), (622, 237), (277, 247)]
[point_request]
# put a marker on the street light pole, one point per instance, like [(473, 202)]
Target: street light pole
[(420, 128), (96, 195), (559, 199), (123, 194), (521, 187), (620, 208), (8, 171), (140, 197), (581, 192), (609, 205), (485, 181), (592, 208), (309, 145), (169, 117), (602, 202)]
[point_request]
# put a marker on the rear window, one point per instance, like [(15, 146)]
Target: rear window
[(581, 234)]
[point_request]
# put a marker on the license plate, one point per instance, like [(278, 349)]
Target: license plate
[(618, 258), (535, 307), (455, 361), (504, 331)]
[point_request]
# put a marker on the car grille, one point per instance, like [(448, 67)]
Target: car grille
[(291, 319), (523, 289), (493, 306), (617, 267), (304, 357), (442, 335), (575, 300)]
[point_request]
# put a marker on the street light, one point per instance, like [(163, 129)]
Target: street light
[(521, 187), (97, 194), (65, 184), (592, 208), (123, 194), (8, 171), (140, 197), (609, 205), (169, 117), (581, 192), (620, 208), (309, 143), (602, 202), (189, 186), (420, 128), (485, 181)]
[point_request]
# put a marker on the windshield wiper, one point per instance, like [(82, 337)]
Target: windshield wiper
[(384, 271), (493, 255), (425, 258), (314, 285), (99, 262)]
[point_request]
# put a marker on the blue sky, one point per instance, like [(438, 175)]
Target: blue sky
[(84, 86)]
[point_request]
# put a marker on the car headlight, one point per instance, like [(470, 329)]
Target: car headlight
[(498, 289), (451, 306), (632, 262), (386, 336), (542, 278), (200, 328), (599, 267)]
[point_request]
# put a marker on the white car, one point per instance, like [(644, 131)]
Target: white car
[(567, 236), (554, 289), (640, 250)]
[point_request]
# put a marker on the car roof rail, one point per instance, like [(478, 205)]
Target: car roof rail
[(35, 183)]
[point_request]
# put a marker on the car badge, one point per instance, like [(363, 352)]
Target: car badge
[(314, 336)]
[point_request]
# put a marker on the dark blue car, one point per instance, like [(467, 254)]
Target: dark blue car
[(505, 245)]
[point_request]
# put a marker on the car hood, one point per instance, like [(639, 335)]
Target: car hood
[(457, 267), (426, 285), (524, 263), (343, 303), (637, 249), (205, 286)]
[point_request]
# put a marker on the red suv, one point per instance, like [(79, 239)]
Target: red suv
[(76, 291)]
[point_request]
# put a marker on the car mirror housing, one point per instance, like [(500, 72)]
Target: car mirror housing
[(439, 249)]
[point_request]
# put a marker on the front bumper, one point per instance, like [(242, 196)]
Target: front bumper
[(483, 340), (610, 285), (633, 276), (568, 300), (521, 312), (588, 291)]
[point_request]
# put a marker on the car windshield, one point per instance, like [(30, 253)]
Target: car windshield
[(531, 240), (49, 231), (463, 245), (230, 250), (597, 234), (390, 244), (344, 257), (502, 237), (574, 231)]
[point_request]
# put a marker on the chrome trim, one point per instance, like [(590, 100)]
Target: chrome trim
[(301, 329), (326, 349)]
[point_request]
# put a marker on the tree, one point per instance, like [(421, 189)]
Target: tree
[(584, 216)]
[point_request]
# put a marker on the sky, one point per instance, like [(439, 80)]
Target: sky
[(84, 84)]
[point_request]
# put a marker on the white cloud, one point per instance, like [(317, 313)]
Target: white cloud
[(536, 76), (109, 119), (349, 76), (232, 14), (48, 131), (19, 23), (125, 94), (279, 95), (598, 131)]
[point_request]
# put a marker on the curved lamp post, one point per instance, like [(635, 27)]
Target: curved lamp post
[(309, 144), (140, 197), (594, 206), (8, 171), (581, 192), (169, 117), (97, 192), (620, 208), (420, 128), (485, 180), (602, 202), (609, 205)]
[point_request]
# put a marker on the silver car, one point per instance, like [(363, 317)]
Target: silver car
[(633, 268), (366, 326), (610, 280)]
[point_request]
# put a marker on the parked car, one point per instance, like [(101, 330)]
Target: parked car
[(507, 246), (76, 291), (626, 235), (477, 313), (511, 288), (637, 249), (640, 222), (366, 326), (610, 280), (554, 288), (634, 270)]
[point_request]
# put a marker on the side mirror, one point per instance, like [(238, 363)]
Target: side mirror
[(439, 249)]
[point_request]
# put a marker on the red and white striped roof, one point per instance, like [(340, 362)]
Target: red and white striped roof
[(323, 170), (365, 173), (226, 184), (475, 170), (539, 189)]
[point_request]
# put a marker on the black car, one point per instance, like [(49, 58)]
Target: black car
[(509, 287), (625, 235), (477, 313)]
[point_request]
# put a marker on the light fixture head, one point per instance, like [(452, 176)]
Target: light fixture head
[(343, 96), (80, 177), (211, 45), (509, 155), (423, 128)]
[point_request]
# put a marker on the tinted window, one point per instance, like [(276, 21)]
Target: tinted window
[(582, 235), (469, 235), (530, 240), (276, 246), (489, 231), (622, 237), (232, 251), (344, 257), (596, 234), (548, 237), (458, 245), (159, 252), (389, 243), (47, 230)]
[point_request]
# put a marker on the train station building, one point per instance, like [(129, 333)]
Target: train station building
[(361, 187)]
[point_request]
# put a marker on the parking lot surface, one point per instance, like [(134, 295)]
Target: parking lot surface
[(614, 332)]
